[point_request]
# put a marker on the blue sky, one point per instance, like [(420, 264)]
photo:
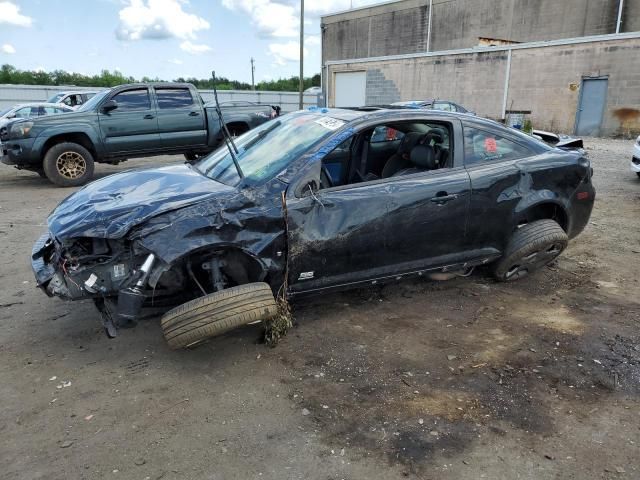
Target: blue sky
[(164, 38)]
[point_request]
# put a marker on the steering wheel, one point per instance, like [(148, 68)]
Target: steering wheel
[(325, 177)]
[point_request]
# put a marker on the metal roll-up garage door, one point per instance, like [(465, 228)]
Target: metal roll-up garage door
[(350, 89)]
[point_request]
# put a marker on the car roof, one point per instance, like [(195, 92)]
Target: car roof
[(382, 114), (70, 92), (154, 84), (39, 104), (414, 102)]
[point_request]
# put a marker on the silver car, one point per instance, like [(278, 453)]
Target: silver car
[(28, 110), (72, 99)]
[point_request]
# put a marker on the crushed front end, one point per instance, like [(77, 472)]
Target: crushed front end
[(114, 273)]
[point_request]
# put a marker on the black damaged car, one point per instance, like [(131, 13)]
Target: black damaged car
[(309, 202)]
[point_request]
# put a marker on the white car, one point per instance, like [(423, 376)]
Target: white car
[(29, 110), (635, 160), (72, 99)]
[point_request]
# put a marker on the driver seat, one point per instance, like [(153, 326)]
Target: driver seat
[(423, 158), (400, 160)]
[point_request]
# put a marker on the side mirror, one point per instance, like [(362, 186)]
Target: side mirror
[(11, 115), (109, 106)]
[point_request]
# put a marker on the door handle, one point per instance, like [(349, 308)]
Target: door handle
[(194, 114), (149, 116), (442, 197)]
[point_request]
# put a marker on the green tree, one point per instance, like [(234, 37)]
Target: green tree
[(13, 76)]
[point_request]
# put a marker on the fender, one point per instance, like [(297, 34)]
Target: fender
[(537, 198), (85, 128), (262, 267)]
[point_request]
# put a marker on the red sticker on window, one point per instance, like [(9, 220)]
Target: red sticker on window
[(490, 145), (391, 134)]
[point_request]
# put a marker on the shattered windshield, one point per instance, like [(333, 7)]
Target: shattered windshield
[(267, 150)]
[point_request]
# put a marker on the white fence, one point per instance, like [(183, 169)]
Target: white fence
[(288, 101)]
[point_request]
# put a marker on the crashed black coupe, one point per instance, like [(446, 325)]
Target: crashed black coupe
[(312, 201)]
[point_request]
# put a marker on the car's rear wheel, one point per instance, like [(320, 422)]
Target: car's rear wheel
[(68, 164), (198, 320), (532, 246)]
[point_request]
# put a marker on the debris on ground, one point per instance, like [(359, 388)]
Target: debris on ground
[(277, 327)]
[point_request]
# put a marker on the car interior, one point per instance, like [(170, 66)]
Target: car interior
[(387, 151)]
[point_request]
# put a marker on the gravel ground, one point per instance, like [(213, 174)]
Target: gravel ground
[(463, 379)]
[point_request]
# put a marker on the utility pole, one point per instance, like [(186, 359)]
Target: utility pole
[(253, 72), (301, 53)]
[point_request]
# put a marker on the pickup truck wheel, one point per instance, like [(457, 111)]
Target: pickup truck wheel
[(205, 317), (531, 247), (68, 164)]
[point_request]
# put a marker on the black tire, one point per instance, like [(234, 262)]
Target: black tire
[(638, 173), (531, 247), (68, 164), (191, 157), (217, 313)]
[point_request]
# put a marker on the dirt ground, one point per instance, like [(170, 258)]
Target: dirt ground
[(539, 379)]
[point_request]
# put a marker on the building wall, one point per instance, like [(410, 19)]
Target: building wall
[(545, 80), (402, 27)]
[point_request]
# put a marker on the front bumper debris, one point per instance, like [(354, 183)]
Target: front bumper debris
[(116, 287)]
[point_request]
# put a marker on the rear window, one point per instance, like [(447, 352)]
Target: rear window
[(174, 98), (483, 146)]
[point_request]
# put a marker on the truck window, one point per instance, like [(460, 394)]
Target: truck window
[(174, 98), (133, 99)]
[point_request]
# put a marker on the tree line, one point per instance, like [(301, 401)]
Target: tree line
[(13, 76)]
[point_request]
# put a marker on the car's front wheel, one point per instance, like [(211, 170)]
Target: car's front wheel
[(531, 247), (205, 317), (68, 164)]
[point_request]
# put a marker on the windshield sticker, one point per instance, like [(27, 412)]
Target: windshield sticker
[(330, 123)]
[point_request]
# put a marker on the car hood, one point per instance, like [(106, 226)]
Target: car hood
[(110, 207)]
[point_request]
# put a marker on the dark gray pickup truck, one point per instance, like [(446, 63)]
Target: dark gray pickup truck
[(135, 120)]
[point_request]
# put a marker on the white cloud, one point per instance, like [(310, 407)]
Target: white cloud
[(312, 40), (10, 13), (272, 19), (158, 19), (281, 18), (8, 49), (194, 48), (284, 53), (175, 61)]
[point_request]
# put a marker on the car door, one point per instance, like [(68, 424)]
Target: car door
[(371, 230), (181, 119), (497, 184), (132, 126)]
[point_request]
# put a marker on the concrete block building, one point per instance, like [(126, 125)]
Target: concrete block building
[(573, 64)]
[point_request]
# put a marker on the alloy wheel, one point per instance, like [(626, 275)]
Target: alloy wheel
[(71, 165)]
